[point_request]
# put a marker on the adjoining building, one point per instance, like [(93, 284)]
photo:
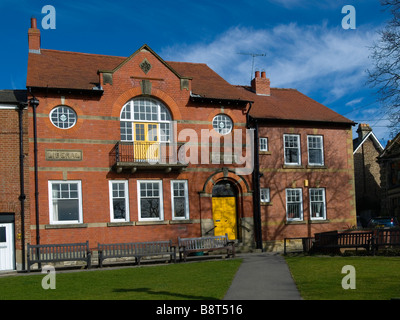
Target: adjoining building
[(305, 164), (14, 179), (389, 161), (367, 149)]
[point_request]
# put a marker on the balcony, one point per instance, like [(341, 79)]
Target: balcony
[(146, 156)]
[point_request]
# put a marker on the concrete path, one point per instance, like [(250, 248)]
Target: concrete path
[(263, 276)]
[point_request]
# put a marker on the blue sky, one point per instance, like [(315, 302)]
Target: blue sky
[(304, 43)]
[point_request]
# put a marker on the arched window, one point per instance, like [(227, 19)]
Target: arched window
[(145, 119)]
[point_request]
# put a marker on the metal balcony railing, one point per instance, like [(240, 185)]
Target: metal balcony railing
[(139, 153)]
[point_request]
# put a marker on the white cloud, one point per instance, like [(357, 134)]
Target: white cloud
[(308, 58), (354, 102)]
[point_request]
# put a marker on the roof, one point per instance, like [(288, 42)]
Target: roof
[(290, 104), (73, 70), (357, 143), (206, 83), (67, 70), (392, 148), (12, 96)]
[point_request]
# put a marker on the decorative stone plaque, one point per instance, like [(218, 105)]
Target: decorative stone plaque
[(145, 66), (63, 155)]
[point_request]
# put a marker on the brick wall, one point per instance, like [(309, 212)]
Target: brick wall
[(335, 176), (10, 172)]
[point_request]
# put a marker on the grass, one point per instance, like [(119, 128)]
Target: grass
[(320, 278), (191, 281)]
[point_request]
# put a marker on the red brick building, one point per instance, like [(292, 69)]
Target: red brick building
[(111, 134), (305, 163), (14, 181), (136, 148)]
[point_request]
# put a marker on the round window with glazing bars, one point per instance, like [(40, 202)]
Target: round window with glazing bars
[(63, 117), (222, 124)]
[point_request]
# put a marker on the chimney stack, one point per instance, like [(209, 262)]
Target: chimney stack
[(34, 37), (363, 130), (261, 85)]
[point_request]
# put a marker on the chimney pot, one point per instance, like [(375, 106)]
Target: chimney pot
[(263, 75), (363, 130), (257, 74), (33, 23)]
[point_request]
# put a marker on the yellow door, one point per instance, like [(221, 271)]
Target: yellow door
[(224, 216), (146, 147)]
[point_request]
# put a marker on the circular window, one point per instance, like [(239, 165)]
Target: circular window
[(63, 117), (222, 124)]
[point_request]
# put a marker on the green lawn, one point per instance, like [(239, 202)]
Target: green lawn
[(190, 281), (320, 278)]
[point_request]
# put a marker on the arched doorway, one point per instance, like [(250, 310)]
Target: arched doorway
[(224, 209)]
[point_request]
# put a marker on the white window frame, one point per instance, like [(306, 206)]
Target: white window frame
[(51, 210), (144, 106), (263, 144), (324, 204), (300, 218), (126, 198), (265, 196), (69, 111), (322, 149), (186, 195), (298, 149), (224, 119), (139, 197)]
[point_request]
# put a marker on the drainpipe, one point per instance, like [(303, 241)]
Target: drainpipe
[(256, 188), (34, 103), (252, 123), (22, 196)]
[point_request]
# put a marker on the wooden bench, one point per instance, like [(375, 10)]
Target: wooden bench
[(136, 249), (189, 245), (59, 253), (385, 238), (329, 241)]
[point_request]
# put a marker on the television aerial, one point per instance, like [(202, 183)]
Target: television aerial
[(253, 55)]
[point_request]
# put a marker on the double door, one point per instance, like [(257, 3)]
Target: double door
[(146, 146), (224, 216)]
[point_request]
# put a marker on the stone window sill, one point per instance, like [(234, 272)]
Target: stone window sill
[(66, 226)]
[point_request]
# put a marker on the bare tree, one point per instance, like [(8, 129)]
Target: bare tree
[(386, 59)]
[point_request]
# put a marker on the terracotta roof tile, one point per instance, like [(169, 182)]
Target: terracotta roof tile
[(71, 70), (61, 69), (290, 104)]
